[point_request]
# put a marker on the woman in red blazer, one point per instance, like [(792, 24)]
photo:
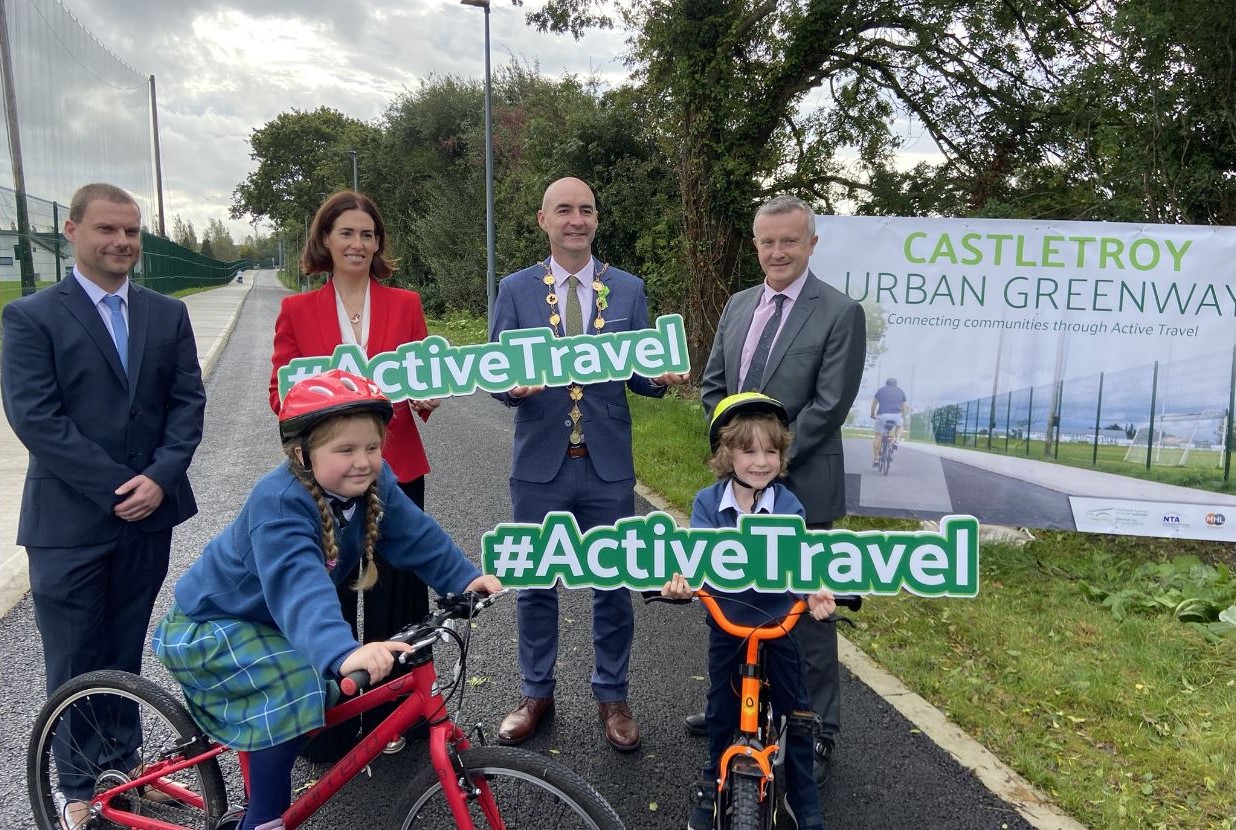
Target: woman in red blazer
[(347, 241)]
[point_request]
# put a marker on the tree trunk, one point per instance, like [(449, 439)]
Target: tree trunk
[(712, 250)]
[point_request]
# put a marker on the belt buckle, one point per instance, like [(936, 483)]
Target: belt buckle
[(577, 451)]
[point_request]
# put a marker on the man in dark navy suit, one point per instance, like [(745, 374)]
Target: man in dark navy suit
[(572, 451), (102, 385)]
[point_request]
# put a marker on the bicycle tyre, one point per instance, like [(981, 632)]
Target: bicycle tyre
[(746, 810), (81, 710), (531, 790), (886, 457)]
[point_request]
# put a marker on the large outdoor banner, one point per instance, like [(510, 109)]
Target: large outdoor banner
[(1076, 375)]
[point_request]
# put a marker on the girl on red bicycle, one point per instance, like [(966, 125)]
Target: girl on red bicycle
[(750, 440), (256, 626)]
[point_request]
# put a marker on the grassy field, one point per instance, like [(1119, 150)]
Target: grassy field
[(1069, 665)]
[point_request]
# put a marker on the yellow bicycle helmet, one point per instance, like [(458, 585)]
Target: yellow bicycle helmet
[(743, 403)]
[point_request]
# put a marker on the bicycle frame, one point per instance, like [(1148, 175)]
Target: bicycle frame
[(423, 700), (750, 687)]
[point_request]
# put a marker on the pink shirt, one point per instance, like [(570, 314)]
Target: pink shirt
[(764, 311)]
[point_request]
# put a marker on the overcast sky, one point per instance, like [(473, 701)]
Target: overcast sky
[(224, 68)]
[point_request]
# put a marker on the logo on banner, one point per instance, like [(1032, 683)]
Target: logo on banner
[(1215, 519), (771, 554)]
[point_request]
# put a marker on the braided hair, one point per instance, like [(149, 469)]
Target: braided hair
[(322, 433)]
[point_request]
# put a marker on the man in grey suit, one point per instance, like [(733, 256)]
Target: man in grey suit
[(572, 451), (102, 385), (804, 343)]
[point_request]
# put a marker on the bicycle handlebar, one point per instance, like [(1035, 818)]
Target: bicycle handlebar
[(775, 629), (459, 606)]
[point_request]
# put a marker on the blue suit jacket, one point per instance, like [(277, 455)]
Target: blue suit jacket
[(542, 428), (90, 429)]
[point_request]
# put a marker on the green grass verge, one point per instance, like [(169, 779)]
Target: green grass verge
[(460, 329), (11, 290)]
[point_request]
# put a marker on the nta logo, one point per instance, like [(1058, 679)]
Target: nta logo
[(1171, 519)]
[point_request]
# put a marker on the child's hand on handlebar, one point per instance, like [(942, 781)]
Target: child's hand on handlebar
[(485, 584), (677, 588), (822, 604), (376, 658)]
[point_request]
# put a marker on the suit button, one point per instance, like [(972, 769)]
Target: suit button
[(133, 414), (567, 422)]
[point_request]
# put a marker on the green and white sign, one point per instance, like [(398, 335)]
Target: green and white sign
[(768, 553), (433, 368)]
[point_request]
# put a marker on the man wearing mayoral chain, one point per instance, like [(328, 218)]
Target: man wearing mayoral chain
[(572, 451)]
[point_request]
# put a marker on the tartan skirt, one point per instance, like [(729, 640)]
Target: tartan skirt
[(244, 683)]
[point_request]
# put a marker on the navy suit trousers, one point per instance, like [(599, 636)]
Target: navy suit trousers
[(576, 489), (92, 605)]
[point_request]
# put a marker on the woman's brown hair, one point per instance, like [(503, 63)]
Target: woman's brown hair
[(316, 259)]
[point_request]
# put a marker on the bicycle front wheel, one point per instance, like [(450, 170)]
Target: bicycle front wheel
[(746, 811), (526, 791), (103, 729)]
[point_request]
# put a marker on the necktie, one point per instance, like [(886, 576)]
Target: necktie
[(340, 507), (759, 359), (574, 314), (120, 332)]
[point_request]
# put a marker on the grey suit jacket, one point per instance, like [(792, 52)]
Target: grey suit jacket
[(814, 368), (88, 427)]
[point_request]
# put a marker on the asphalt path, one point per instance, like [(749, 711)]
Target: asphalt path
[(941, 486), (887, 774)]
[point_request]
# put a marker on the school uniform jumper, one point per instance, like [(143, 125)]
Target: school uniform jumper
[(256, 626)]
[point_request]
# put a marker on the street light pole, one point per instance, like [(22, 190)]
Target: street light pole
[(489, 167), (352, 153)]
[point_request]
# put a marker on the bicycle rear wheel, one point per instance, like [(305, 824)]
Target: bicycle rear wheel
[(528, 791), (77, 746), (886, 456)]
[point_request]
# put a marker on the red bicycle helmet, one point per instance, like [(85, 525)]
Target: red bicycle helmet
[(333, 392)]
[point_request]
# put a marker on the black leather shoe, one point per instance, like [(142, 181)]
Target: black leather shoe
[(823, 750), (695, 724)]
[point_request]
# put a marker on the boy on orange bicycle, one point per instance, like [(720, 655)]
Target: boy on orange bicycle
[(256, 627), (750, 440)]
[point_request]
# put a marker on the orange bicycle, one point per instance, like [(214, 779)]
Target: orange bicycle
[(750, 770), (178, 782)]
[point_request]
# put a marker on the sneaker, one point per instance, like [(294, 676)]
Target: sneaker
[(703, 800), (875, 465), (395, 746)]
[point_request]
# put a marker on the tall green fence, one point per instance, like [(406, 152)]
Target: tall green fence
[(167, 267)]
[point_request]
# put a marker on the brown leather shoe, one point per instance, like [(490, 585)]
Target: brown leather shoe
[(521, 723), (621, 730)]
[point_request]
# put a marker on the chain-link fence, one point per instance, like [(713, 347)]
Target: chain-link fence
[(1153, 417)]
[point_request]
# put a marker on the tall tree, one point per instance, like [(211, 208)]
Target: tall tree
[(220, 240), (183, 233), (300, 156), (736, 82)]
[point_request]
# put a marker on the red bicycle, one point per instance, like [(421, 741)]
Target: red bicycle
[(178, 781)]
